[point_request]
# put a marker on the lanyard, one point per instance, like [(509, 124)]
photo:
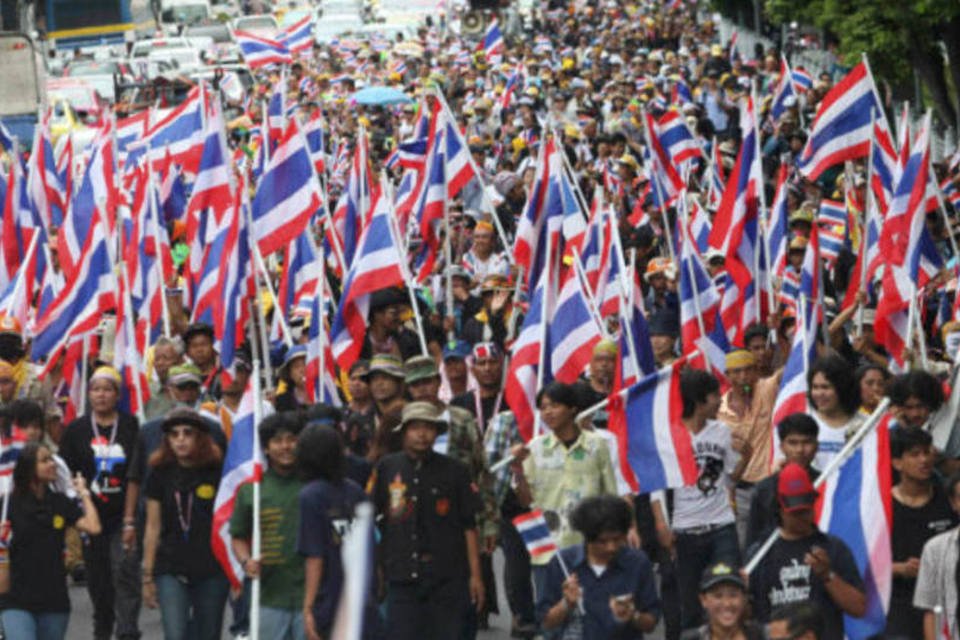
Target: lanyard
[(113, 439), (478, 404), (184, 522)]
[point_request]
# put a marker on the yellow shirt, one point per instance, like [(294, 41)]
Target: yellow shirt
[(560, 477)]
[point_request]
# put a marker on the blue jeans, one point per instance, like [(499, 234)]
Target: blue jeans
[(696, 552), (192, 610), (25, 625), (281, 624)]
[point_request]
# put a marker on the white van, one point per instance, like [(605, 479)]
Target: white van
[(184, 12)]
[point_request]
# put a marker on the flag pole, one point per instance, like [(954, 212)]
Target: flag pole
[(868, 203), (261, 267), (84, 356), (322, 329), (128, 317), (943, 213), (591, 302), (158, 261), (852, 444), (763, 239), (911, 312), (542, 362), (255, 534), (802, 326), (447, 254), (690, 273), (656, 188)]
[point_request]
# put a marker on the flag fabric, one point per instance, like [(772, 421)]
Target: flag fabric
[(777, 226), (521, 388), (841, 128), (298, 37), (234, 288), (658, 445), (678, 141), (856, 506), (288, 194), (378, 265), (298, 281), (181, 133), (320, 380), (259, 51), (802, 80), (832, 213), (243, 463), (532, 527), (784, 89), (492, 45), (573, 330)]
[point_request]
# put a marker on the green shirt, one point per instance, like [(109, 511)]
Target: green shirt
[(282, 578), (560, 477)]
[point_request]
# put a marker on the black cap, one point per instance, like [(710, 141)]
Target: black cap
[(183, 416), (720, 573)]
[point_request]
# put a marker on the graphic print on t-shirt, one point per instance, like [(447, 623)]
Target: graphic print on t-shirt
[(794, 584), (108, 460), (710, 457)]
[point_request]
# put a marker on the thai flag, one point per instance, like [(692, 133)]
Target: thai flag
[(131, 130), (353, 210), (78, 308), (833, 213), (573, 330), (596, 245), (16, 299), (300, 274), (532, 527), (514, 81), (135, 392), (699, 226), (802, 80), (44, 186), (288, 195), (841, 130), (242, 463), (521, 388), (96, 196), (659, 447), (492, 45), (736, 230), (792, 396), (777, 227), (203, 279), (260, 52), (950, 191), (321, 382), (181, 133), (701, 327), (907, 250), (543, 215), (65, 168), (10, 449), (662, 160), (856, 506), (680, 93), (784, 90), (173, 193), (831, 244), (790, 289), (298, 37), (276, 116), (313, 132), (19, 223), (676, 137), (885, 166), (378, 265)]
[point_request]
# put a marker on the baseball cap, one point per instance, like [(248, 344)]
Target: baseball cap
[(419, 368), (422, 412), (795, 492), (721, 573)]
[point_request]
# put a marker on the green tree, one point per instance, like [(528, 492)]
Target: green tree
[(900, 37)]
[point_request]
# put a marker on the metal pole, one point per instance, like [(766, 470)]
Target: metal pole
[(255, 537), (545, 305), (158, 261), (868, 204)]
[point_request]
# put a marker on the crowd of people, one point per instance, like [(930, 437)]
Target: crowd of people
[(421, 426)]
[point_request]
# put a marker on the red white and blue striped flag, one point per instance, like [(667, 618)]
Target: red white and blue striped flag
[(536, 534)]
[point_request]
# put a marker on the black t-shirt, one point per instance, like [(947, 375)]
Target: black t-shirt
[(186, 498), (782, 578), (490, 406), (102, 458), (38, 580), (912, 527), (326, 513)]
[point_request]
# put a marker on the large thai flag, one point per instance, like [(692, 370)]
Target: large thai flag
[(298, 37), (658, 445), (841, 129), (521, 388), (856, 506), (573, 331), (79, 307), (260, 52), (492, 44), (783, 90), (234, 287), (288, 195), (533, 529), (242, 463), (378, 265), (792, 396), (663, 166)]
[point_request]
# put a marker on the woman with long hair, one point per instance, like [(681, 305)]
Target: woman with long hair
[(37, 606), (835, 396), (180, 574), (872, 380)]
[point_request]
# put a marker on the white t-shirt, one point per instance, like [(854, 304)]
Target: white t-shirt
[(623, 488), (708, 501), (830, 440)]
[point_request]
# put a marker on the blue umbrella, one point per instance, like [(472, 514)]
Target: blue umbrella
[(381, 96)]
